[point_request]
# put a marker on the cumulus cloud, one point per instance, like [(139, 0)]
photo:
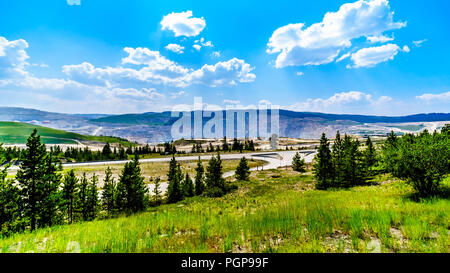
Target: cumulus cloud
[(322, 42), (344, 102), (175, 48), (197, 47), (183, 24), (380, 39), (433, 98), (369, 57), (299, 73), (153, 68), (13, 57), (223, 73)]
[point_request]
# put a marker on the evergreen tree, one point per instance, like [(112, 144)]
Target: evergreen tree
[(157, 192), (10, 221), (225, 146), (446, 129), (199, 178), (30, 178), (106, 152), (338, 160), (92, 198), (188, 186), (131, 189), (50, 201), (174, 191), (323, 164), (109, 193), (298, 163), (69, 192), (370, 156), (82, 207), (243, 170), (215, 183)]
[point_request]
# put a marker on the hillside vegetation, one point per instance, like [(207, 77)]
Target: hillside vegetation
[(276, 211), (18, 133)]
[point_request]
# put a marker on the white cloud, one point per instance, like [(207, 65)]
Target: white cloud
[(155, 69), (183, 24), (345, 102), (223, 73), (380, 39), (322, 42), (216, 54), (13, 58), (175, 95), (231, 102), (343, 57), (369, 57), (197, 47), (175, 48), (300, 73), (433, 98), (74, 2), (419, 43)]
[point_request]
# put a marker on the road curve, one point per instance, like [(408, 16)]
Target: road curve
[(273, 160)]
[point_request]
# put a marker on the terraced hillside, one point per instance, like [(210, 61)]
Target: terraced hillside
[(17, 133)]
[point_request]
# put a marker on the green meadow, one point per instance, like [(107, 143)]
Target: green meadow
[(18, 133), (276, 211)]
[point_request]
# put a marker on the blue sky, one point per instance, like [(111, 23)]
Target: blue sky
[(92, 56)]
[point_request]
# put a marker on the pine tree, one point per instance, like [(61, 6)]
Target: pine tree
[(174, 192), (370, 156), (92, 198), (82, 207), (109, 193), (157, 192), (106, 152), (338, 160), (225, 146), (323, 165), (199, 178), (9, 202), (243, 170), (131, 189), (215, 183), (69, 192), (50, 200), (298, 163), (188, 186), (29, 178)]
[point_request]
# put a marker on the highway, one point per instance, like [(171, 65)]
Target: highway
[(274, 160)]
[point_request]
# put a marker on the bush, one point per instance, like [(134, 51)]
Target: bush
[(423, 160)]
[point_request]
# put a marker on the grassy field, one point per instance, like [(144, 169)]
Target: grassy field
[(18, 133), (277, 211), (155, 169)]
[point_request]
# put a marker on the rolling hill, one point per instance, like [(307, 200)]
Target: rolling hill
[(153, 127), (18, 133)]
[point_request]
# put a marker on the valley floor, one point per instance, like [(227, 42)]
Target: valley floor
[(277, 211)]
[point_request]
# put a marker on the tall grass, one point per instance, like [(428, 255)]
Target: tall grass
[(265, 215)]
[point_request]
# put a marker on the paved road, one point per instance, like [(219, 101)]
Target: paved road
[(273, 160)]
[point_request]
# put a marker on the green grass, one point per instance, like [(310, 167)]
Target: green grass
[(18, 133), (277, 211)]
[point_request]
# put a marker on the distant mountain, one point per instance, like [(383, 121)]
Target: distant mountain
[(155, 127)]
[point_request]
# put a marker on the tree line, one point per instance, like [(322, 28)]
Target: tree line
[(423, 160), (40, 196)]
